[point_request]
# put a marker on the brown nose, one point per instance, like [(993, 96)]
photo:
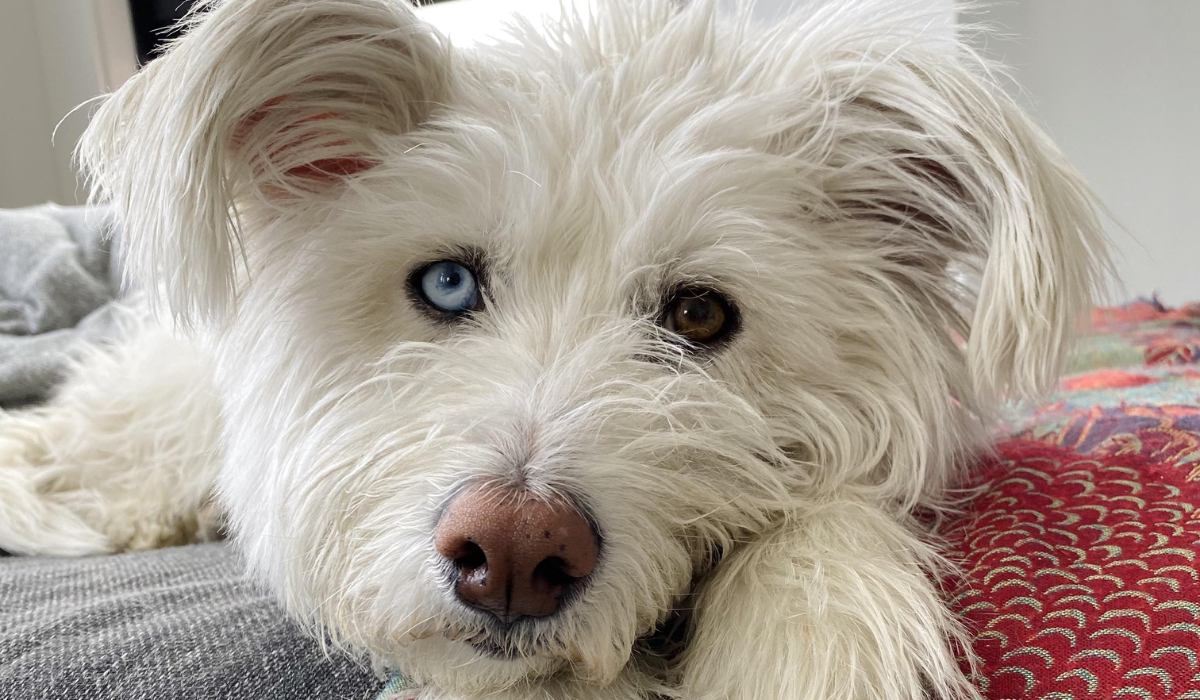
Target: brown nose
[(513, 554)]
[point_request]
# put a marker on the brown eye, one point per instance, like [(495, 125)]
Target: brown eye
[(699, 315)]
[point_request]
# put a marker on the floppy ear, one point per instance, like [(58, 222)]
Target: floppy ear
[(260, 104), (1031, 217), (930, 145), (1046, 253)]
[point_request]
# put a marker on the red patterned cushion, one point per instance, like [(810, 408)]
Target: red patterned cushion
[(1082, 579)]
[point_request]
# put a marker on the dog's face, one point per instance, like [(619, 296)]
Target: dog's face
[(641, 292), (507, 303)]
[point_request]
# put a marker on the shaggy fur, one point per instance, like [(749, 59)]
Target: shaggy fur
[(285, 167)]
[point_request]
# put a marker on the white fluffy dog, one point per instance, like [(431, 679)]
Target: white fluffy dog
[(498, 361)]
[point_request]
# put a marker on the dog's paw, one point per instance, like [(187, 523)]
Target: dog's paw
[(836, 606)]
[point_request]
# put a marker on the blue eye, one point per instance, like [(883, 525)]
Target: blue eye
[(449, 286)]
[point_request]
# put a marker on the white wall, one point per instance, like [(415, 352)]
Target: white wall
[(1117, 84), (54, 55), (771, 9), (26, 164)]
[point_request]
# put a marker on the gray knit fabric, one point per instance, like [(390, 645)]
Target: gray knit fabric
[(172, 623)]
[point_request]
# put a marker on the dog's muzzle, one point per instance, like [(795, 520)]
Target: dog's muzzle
[(514, 555)]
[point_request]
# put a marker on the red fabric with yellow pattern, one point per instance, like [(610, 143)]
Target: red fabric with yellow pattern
[(1081, 555)]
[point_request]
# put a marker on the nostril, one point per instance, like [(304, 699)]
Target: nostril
[(553, 571), (471, 557), (515, 557)]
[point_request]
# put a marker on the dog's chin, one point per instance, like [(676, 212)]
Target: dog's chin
[(502, 650), (498, 650), (469, 665)]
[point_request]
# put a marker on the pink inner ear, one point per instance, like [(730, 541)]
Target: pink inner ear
[(331, 169), (321, 171)]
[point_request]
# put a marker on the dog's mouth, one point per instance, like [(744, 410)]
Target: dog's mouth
[(662, 646), (505, 643), (492, 649)]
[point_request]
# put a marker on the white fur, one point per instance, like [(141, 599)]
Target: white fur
[(836, 175), (124, 460)]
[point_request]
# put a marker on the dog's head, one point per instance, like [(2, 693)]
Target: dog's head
[(512, 341)]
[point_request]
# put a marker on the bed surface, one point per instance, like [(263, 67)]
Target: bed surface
[(1081, 554)]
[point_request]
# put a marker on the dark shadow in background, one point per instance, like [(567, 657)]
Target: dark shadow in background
[(154, 23)]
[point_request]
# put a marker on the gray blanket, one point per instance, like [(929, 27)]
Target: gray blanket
[(164, 625), (172, 623), (58, 284)]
